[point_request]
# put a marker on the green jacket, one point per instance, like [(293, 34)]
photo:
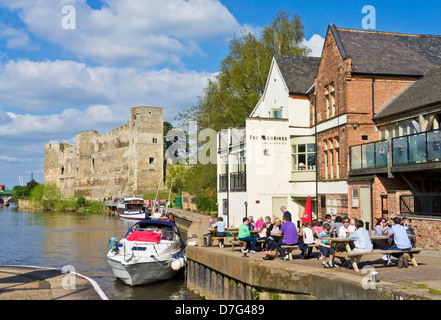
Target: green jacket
[(244, 231)]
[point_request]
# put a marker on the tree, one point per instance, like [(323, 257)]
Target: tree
[(233, 93)]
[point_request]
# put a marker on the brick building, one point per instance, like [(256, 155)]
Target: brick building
[(371, 89), (373, 132)]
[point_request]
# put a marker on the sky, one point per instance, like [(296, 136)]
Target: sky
[(72, 65)]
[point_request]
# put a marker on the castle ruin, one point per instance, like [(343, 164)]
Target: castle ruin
[(126, 161)]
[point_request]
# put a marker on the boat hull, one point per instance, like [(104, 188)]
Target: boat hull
[(133, 216), (142, 273)]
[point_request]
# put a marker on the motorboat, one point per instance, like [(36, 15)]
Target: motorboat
[(151, 250), (162, 214), (131, 208)]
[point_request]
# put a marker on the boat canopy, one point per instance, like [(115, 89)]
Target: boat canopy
[(156, 222)]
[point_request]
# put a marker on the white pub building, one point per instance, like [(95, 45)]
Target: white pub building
[(271, 162)]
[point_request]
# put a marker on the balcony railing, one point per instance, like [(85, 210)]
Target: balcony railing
[(238, 181), (419, 148), (223, 182), (370, 155)]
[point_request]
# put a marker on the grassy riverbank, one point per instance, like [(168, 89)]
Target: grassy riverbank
[(66, 205)]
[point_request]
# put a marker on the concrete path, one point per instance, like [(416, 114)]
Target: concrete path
[(32, 283)]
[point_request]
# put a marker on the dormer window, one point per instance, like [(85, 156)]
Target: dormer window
[(277, 113)]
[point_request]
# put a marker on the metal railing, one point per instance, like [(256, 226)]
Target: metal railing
[(238, 181), (421, 204), (424, 147), (369, 155), (223, 182)]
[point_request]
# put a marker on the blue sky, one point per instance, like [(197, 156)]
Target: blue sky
[(56, 82)]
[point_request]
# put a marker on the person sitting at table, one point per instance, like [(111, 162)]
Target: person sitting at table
[(328, 219), (271, 239), (407, 225), (220, 224), (362, 241), (402, 242), (338, 223), (290, 236), (262, 235), (259, 224), (307, 238), (251, 223), (245, 235), (207, 236), (381, 228), (324, 242), (316, 227), (346, 229)]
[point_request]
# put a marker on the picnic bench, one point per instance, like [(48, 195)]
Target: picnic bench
[(222, 239), (289, 249), (410, 253), (383, 240)]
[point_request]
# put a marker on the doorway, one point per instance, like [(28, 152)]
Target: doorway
[(277, 202), (365, 199)]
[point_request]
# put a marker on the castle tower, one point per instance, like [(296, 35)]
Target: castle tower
[(145, 150)]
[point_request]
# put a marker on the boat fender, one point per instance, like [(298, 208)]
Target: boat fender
[(176, 264)]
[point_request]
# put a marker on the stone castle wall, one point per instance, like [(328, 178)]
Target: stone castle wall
[(126, 161)]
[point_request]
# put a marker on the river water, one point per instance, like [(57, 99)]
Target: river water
[(58, 240)]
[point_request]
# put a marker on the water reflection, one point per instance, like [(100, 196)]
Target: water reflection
[(80, 240)]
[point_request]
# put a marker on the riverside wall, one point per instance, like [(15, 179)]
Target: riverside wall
[(224, 274)]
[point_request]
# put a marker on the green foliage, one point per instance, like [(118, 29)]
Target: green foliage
[(175, 178), (37, 192), (229, 97), (233, 93), (81, 201), (201, 181)]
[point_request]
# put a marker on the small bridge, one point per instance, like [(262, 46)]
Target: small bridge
[(5, 197)]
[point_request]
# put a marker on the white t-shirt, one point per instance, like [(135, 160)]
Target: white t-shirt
[(343, 230), (308, 236)]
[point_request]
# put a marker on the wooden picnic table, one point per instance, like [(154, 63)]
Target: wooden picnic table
[(382, 240)]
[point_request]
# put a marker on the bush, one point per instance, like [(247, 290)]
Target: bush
[(81, 202)]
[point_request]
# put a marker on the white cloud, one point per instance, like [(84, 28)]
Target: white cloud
[(57, 85), (315, 43), (129, 32)]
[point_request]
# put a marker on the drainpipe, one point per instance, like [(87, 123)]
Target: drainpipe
[(373, 96)]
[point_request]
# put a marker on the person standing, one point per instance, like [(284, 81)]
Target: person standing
[(285, 212)]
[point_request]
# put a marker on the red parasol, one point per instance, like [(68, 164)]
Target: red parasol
[(307, 214)]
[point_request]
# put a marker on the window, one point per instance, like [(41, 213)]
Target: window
[(331, 206), (303, 156), (337, 157), (277, 113), (155, 140), (325, 146), (330, 100), (151, 160), (355, 197)]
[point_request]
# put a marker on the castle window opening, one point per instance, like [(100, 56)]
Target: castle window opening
[(151, 160)]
